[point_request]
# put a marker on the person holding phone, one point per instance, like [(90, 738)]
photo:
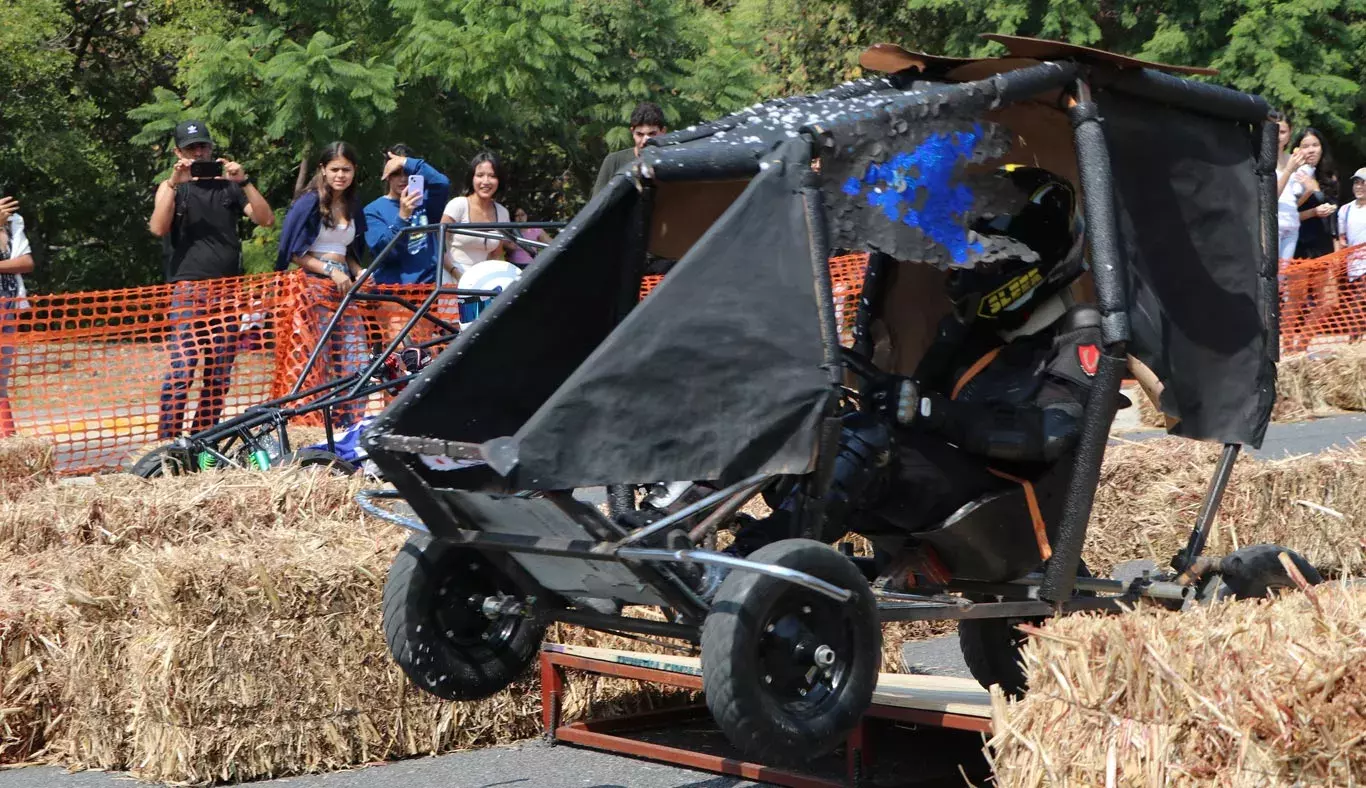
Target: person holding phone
[(195, 213), (414, 191)]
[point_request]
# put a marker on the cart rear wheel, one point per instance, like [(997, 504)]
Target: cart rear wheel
[(789, 672), (1256, 572), (436, 629), (162, 461), (991, 647), (320, 459)]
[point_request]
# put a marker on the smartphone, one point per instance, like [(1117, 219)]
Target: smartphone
[(206, 169), (416, 185)]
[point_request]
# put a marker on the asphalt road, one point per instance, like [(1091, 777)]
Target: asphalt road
[(1288, 440), (528, 765), (534, 763)]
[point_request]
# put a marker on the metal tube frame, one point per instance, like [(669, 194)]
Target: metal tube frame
[(621, 498), (1208, 509), (354, 293), (1109, 270)]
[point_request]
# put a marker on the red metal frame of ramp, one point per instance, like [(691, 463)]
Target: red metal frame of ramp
[(892, 702)]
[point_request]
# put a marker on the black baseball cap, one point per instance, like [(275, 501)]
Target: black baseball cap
[(189, 132)]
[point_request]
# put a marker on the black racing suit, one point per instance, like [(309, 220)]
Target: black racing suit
[(991, 413)]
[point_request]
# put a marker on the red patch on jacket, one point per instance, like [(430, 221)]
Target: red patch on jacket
[(1089, 356)]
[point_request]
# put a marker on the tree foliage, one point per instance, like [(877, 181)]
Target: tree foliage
[(96, 86)]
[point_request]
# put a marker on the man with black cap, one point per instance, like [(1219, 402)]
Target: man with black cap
[(196, 216)]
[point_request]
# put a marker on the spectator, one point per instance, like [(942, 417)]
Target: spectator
[(1318, 211), (476, 206), (1292, 177), (1352, 220), (16, 259), (324, 234), (1352, 232), (516, 254), (647, 120), (1312, 293), (196, 218), (413, 262)]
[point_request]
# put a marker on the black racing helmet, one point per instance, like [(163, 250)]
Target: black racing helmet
[(1044, 230)]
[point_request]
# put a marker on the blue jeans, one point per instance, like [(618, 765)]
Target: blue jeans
[(201, 331), (344, 355), (9, 319)]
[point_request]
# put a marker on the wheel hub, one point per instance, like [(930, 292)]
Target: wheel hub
[(473, 611), (803, 653)]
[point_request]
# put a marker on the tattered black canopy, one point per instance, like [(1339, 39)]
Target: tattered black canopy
[(726, 368)]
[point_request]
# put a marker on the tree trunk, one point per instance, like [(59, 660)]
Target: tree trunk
[(301, 180)]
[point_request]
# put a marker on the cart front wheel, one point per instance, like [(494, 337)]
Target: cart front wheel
[(163, 461), (788, 672), (450, 621), (319, 459), (991, 646)]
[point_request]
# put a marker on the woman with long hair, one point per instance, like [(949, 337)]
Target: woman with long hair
[(1320, 208), (476, 206), (1312, 290), (324, 234)]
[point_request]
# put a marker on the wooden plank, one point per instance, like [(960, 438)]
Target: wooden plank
[(944, 694), (669, 663), (947, 694)]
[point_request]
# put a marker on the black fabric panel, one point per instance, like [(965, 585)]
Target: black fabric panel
[(1189, 203), (716, 375), (495, 375)]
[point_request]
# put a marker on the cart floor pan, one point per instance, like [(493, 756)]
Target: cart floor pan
[(561, 518)]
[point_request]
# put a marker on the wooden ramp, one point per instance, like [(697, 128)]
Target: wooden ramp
[(945, 702)]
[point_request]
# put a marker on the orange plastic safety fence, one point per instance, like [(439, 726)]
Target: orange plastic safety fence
[(104, 373), (1323, 301), (846, 284), (365, 327)]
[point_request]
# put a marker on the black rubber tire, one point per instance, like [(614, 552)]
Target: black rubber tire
[(991, 647), (162, 461), (314, 458), (420, 624), (754, 714), (1255, 572)]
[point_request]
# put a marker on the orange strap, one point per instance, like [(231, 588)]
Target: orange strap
[(977, 366), (1035, 514)]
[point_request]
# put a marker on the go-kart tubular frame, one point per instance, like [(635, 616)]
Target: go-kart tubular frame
[(1039, 594)]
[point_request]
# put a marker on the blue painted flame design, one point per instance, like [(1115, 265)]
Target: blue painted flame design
[(893, 187)]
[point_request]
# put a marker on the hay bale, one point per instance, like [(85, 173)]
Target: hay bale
[(1334, 379), (25, 463), (122, 510), (30, 646), (1237, 694), (245, 660), (42, 597), (1150, 494), (1297, 399)]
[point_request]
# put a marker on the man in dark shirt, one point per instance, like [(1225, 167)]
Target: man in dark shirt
[(646, 121), (197, 219)]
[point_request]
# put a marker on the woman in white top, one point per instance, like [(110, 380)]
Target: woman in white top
[(1292, 179), (320, 236), (476, 205)]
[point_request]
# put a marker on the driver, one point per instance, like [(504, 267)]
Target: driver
[(996, 400)]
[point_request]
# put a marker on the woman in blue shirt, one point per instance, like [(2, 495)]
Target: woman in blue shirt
[(412, 261)]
